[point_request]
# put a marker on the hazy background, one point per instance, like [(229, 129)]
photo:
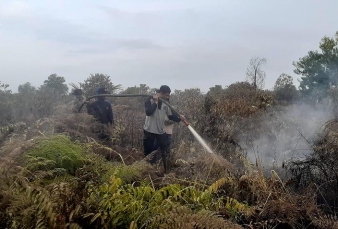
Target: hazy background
[(183, 44)]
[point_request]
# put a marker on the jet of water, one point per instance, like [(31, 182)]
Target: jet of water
[(200, 139)]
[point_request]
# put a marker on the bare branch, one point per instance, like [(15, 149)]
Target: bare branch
[(254, 74)]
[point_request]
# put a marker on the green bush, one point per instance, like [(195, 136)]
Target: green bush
[(115, 205), (55, 152)]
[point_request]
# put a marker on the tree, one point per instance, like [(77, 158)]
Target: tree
[(242, 90), (213, 94), (319, 70), (25, 103), (284, 89), (98, 80), (142, 89), (49, 96), (135, 103), (216, 90), (6, 109), (188, 101), (254, 74), (56, 83), (3, 88), (26, 88)]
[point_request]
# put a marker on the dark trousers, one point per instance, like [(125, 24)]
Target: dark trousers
[(168, 141), (164, 152)]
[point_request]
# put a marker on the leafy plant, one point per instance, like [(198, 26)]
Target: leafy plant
[(30, 208), (183, 217), (55, 152), (119, 205)]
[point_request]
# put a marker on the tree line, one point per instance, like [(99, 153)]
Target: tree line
[(318, 71)]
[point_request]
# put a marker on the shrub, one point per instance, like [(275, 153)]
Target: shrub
[(55, 152)]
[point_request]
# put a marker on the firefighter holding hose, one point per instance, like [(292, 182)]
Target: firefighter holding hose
[(102, 112), (154, 127), (157, 109)]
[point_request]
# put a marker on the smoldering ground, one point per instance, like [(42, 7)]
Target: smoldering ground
[(286, 133)]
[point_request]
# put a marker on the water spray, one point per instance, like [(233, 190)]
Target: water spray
[(200, 139), (192, 130)]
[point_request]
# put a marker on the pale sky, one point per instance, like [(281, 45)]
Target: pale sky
[(181, 43)]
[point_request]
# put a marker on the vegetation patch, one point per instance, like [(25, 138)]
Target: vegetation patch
[(55, 152)]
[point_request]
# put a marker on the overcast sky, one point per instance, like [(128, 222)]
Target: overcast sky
[(181, 43)]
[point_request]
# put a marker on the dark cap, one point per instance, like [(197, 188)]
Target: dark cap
[(101, 90), (164, 89)]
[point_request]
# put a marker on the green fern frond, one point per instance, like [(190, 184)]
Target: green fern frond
[(55, 152), (182, 217), (31, 208), (219, 183), (234, 207)]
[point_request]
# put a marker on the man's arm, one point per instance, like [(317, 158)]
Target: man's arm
[(150, 107), (168, 122), (174, 118)]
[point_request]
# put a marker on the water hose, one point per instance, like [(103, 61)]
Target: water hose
[(197, 136), (132, 95)]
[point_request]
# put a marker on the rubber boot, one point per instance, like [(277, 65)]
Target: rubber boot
[(166, 165)]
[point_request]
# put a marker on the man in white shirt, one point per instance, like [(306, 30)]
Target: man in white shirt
[(154, 127)]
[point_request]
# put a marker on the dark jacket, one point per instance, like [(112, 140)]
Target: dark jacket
[(102, 111)]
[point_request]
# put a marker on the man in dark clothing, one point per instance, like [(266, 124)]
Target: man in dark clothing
[(154, 127), (101, 110), (78, 100)]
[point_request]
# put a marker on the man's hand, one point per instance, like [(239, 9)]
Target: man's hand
[(155, 98), (184, 120)]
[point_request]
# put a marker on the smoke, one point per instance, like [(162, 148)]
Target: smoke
[(286, 134)]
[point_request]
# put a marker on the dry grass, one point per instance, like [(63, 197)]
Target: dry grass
[(270, 202)]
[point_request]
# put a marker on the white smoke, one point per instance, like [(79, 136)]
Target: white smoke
[(286, 134)]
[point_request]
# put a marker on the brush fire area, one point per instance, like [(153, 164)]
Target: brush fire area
[(250, 158)]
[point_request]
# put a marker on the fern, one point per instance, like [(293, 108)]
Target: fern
[(219, 183), (31, 208), (132, 173), (39, 163), (55, 152), (119, 205), (234, 207), (183, 217)]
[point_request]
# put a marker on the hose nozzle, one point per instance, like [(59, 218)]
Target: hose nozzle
[(185, 122)]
